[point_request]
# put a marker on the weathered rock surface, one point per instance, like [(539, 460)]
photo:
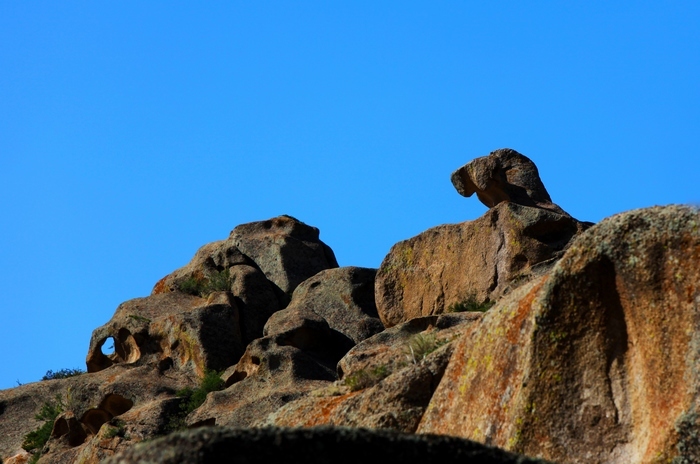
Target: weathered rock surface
[(300, 349), (310, 446), (343, 297), (596, 362), (285, 249), (482, 259), (171, 330), (385, 382), (207, 312), (273, 371), (137, 395), (589, 354), (503, 175)]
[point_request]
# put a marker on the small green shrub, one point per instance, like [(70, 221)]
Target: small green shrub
[(192, 286), (470, 304), (217, 281), (62, 374), (116, 429), (34, 441), (421, 345), (365, 378), (192, 398), (138, 318)]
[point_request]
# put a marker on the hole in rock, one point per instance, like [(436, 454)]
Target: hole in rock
[(70, 427), (165, 364), (236, 377), (94, 418), (204, 423), (116, 404), (126, 347), (107, 347)]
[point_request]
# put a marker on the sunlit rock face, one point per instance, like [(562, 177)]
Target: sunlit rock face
[(481, 259), (523, 329), (596, 362), (503, 175)]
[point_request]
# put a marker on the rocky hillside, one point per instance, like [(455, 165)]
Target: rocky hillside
[(524, 332)]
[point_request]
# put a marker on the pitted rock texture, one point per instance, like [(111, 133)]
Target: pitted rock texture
[(343, 297), (589, 354), (285, 249), (385, 381), (503, 175), (274, 370), (480, 259), (141, 397), (300, 349), (596, 362), (205, 314), (170, 330), (311, 446)]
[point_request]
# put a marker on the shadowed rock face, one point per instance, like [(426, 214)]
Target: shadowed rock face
[(343, 297), (503, 175), (170, 330), (285, 249), (203, 315), (386, 381), (310, 446)]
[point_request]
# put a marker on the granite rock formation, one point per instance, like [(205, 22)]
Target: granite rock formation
[(596, 362), (524, 329), (481, 259), (503, 175)]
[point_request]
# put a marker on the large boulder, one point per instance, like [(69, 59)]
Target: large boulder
[(480, 260), (285, 249), (503, 175), (343, 297), (170, 330), (310, 446), (596, 362)]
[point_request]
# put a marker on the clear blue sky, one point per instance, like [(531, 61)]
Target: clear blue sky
[(131, 133)]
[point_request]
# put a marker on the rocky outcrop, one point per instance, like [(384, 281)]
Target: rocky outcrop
[(203, 315), (385, 382), (285, 249), (141, 397), (318, 445), (503, 175), (343, 297), (597, 361), (172, 330), (270, 374), (301, 347), (480, 259), (587, 354)]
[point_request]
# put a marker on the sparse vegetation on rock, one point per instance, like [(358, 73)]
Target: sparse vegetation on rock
[(192, 398), (525, 329), (35, 440), (470, 303), (62, 374)]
